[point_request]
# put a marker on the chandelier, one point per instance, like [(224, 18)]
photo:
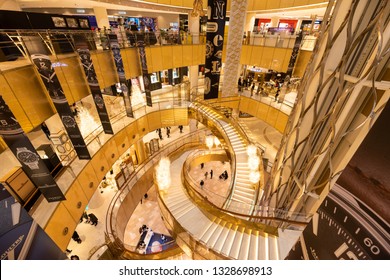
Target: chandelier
[(197, 9), (163, 173)]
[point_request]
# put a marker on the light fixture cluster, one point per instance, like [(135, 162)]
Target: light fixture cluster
[(253, 164), (211, 141), (163, 173)]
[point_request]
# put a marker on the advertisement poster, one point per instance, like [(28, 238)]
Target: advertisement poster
[(21, 238), (81, 47), (28, 157), (53, 86), (125, 87), (144, 68), (214, 45)]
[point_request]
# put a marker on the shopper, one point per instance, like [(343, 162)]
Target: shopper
[(93, 219), (201, 165), (211, 174), (201, 184), (206, 174), (76, 237)]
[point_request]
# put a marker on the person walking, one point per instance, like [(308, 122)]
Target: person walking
[(211, 174), (201, 184), (76, 237), (93, 219), (201, 165), (252, 88), (277, 95), (206, 174)]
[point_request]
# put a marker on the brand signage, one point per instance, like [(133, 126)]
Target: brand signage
[(144, 68), (214, 45), (125, 86), (21, 147), (53, 86), (82, 49)]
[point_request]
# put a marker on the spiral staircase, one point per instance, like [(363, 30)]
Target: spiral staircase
[(227, 239)]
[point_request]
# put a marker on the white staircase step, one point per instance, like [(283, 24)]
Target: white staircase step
[(222, 237), (262, 244), (237, 244), (273, 248), (209, 231), (216, 234), (253, 248), (204, 227), (245, 246), (229, 240)]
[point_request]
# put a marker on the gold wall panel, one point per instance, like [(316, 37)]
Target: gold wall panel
[(272, 116), (167, 118), (110, 152), (252, 108), (149, 60), (177, 56), (187, 55), (301, 63), (73, 76), (196, 54), (122, 142), (244, 104), (156, 56), (262, 111), (132, 132), (100, 165), (166, 56), (181, 116), (105, 68), (61, 226), (286, 3), (267, 57), (25, 96), (143, 126), (281, 122), (88, 180), (278, 59), (76, 201), (274, 4), (154, 120), (131, 62)]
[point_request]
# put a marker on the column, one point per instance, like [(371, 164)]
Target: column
[(101, 17), (336, 106), (274, 21), (194, 28), (234, 47)]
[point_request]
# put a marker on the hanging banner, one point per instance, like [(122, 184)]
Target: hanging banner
[(294, 54), (21, 238), (214, 45), (124, 85), (53, 86), (81, 47), (21, 147), (144, 68)]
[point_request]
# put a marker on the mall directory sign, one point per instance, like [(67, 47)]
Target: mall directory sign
[(124, 85), (214, 45), (24, 151), (82, 49)]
